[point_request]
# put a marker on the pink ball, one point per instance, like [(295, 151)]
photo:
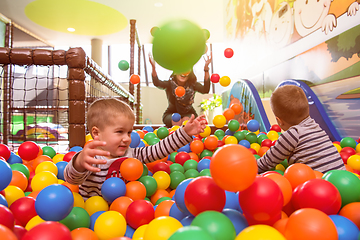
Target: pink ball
[(28, 150), (203, 194), (139, 212), (48, 230)]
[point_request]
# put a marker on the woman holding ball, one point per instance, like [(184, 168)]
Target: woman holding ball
[(177, 103)]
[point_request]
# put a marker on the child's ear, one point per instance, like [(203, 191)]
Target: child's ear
[(280, 122), (95, 131)]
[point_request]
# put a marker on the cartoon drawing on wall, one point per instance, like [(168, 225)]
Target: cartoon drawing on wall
[(262, 14)]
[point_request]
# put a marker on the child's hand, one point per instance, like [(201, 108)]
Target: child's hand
[(194, 126), (85, 160)]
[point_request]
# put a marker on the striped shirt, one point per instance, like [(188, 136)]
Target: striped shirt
[(91, 182), (304, 143)]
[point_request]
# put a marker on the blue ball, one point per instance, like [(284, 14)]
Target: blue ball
[(135, 139), (245, 143), (232, 200), (14, 159), (75, 149), (176, 213), (186, 221), (4, 202), (61, 166), (113, 188), (346, 229), (54, 202), (185, 148), (237, 218), (176, 117), (229, 133), (5, 174), (141, 144), (93, 219), (179, 196), (253, 125), (148, 128), (203, 164), (129, 231)]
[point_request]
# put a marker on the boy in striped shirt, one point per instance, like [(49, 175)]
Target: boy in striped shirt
[(110, 122), (303, 140)]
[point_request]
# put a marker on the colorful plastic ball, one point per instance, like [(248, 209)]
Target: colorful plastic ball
[(253, 125), (109, 225), (5, 151), (7, 234), (224, 81), (14, 159), (260, 231), (13, 193), (95, 204), (182, 157), (163, 207), (28, 150), (135, 190), (237, 218), (233, 125), (346, 229), (58, 158), (228, 52), (162, 228), (54, 195), (21, 168), (206, 132), (61, 167), (42, 180), (139, 212), (46, 166), (19, 179), (245, 143), (354, 162), (161, 166), (310, 223), (7, 218), (211, 142), (179, 45), (180, 91), (121, 204), (176, 178), (190, 233), (233, 167), (150, 184), (175, 212), (123, 65), (214, 78), (176, 167), (179, 196), (93, 219), (83, 234), (197, 146), (283, 183), (162, 132), (299, 173), (134, 79), (113, 188), (229, 114), (77, 218), (275, 128), (219, 133), (348, 142), (272, 135), (191, 173), (135, 139), (185, 148), (68, 156), (351, 211), (48, 230), (347, 183), (219, 121), (176, 117), (49, 151), (162, 179), (203, 164), (190, 164), (34, 222), (159, 194), (139, 232), (239, 136), (5, 174), (237, 107), (131, 169)]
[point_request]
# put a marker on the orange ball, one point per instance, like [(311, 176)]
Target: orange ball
[(34, 194), (73, 188), (131, 169), (298, 173), (211, 142), (229, 114), (197, 146), (262, 151), (141, 134), (19, 179), (237, 108), (134, 79), (6, 233), (121, 204), (40, 159), (163, 208), (318, 174), (310, 224), (83, 234), (135, 190), (159, 194), (284, 185), (194, 156), (179, 91), (233, 167), (352, 212), (280, 225)]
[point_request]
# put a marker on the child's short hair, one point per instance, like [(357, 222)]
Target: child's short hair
[(289, 103), (102, 112)]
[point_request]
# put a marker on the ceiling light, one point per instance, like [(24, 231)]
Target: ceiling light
[(158, 4), (71, 29)]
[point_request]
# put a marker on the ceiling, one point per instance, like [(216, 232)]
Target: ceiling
[(208, 14)]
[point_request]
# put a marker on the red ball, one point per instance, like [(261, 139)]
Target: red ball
[(68, 156), (275, 128), (23, 210), (182, 157), (134, 79), (203, 194), (28, 150), (266, 143), (19, 231), (48, 230), (214, 78), (319, 194), (344, 156), (253, 151), (348, 150), (6, 217), (161, 166), (228, 52), (4, 151), (139, 212)]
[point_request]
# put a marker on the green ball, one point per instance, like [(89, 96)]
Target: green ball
[(347, 183), (205, 172), (219, 133), (239, 136), (233, 125), (176, 178), (348, 142), (150, 185), (161, 200), (260, 138), (162, 132), (49, 151), (190, 164), (21, 168), (279, 171), (149, 136), (206, 153), (77, 218), (217, 224), (153, 141), (176, 167), (285, 163), (206, 33), (123, 65), (245, 131), (172, 157), (145, 170), (190, 232), (256, 156), (178, 45), (251, 137), (191, 173)]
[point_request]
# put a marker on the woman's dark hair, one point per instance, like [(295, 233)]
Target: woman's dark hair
[(191, 78)]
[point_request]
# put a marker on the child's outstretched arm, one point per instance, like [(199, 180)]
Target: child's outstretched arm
[(194, 125)]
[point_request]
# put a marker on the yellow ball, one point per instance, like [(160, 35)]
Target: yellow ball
[(185, 122), (161, 228), (58, 158), (357, 149), (272, 135), (33, 222), (13, 193), (60, 181), (139, 232), (88, 137), (354, 162), (47, 166), (42, 180), (258, 232), (162, 179), (219, 121), (207, 131), (95, 204), (255, 146), (174, 128), (231, 140), (110, 224), (224, 81), (338, 147), (78, 200), (280, 167)]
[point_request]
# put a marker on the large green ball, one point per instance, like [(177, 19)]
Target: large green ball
[(150, 185), (178, 45), (348, 142), (176, 178), (162, 132), (77, 218), (190, 232)]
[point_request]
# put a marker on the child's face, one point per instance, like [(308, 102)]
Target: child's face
[(117, 136), (182, 78)]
